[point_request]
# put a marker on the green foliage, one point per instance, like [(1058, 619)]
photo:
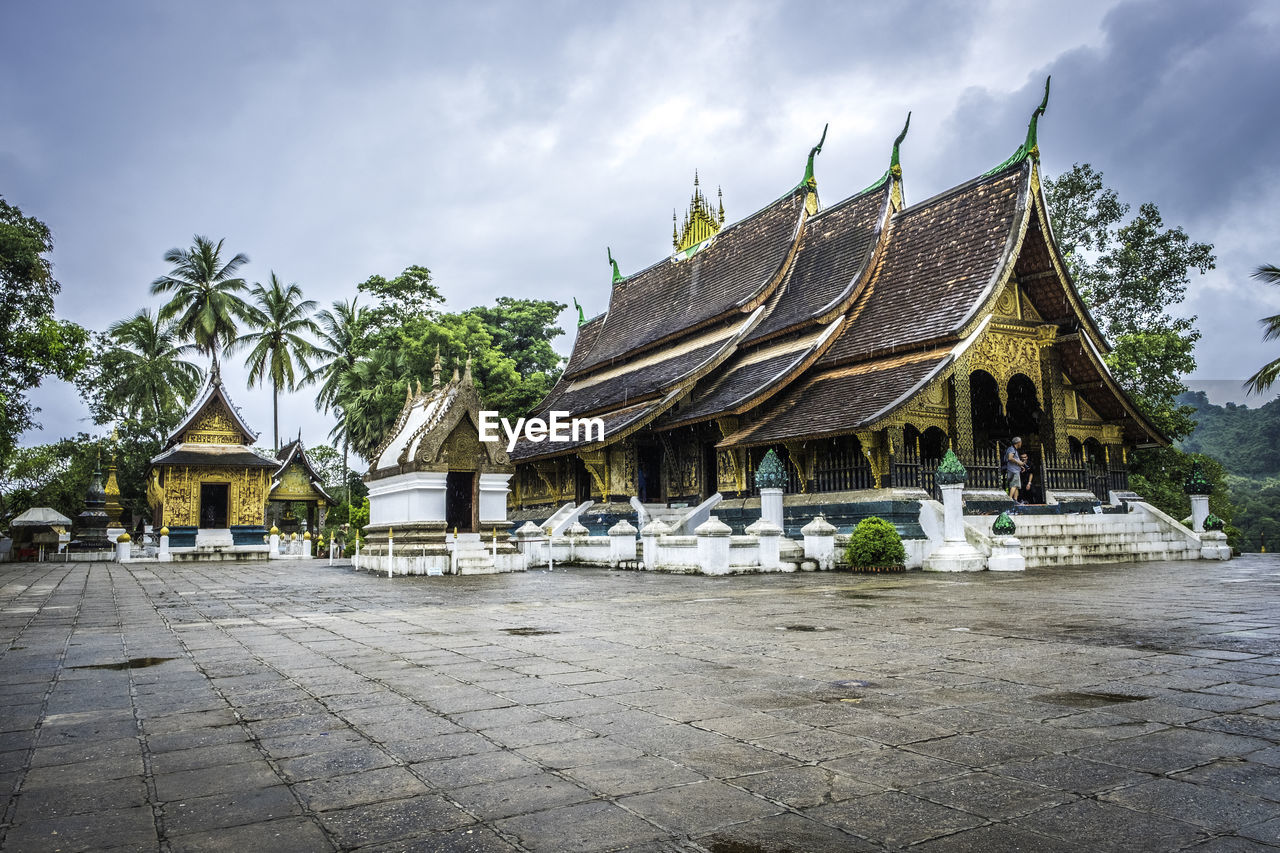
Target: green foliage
[(1212, 522), (875, 542), (1267, 375), (1245, 440), (277, 349), (410, 294), (206, 295), (33, 344), (1129, 273), (951, 470), (396, 344), (138, 374), (359, 516), (53, 475)]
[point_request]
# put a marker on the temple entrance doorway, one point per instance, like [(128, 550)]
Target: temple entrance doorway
[(581, 481), (710, 479), (933, 444), (459, 501), (989, 428), (213, 505), (1023, 410), (649, 472)]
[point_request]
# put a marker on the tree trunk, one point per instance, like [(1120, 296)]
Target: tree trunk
[(275, 415), (346, 479)]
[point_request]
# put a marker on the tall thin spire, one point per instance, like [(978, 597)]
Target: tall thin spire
[(701, 220)]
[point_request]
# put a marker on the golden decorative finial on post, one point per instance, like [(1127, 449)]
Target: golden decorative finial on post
[(435, 370), (466, 373)]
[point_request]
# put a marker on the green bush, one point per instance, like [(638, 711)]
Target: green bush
[(875, 542)]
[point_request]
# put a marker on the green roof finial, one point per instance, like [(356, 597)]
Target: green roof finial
[(581, 319), (894, 168), (617, 276), (1030, 148), (809, 180)]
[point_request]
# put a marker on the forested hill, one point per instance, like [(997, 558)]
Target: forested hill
[(1245, 440)]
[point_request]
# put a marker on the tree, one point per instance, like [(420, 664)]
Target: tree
[(336, 352), (1129, 273), (1259, 382), (277, 349), (33, 343), (410, 294), (206, 295), (139, 375)]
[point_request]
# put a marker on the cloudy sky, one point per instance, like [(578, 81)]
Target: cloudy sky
[(504, 145)]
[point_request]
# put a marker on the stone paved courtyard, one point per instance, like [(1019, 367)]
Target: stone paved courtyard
[(303, 707)]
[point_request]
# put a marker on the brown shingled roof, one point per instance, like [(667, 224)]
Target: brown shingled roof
[(838, 243), (670, 298), (940, 260), (837, 401)]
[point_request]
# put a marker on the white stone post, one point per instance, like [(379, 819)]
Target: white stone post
[(622, 543), (1199, 511), (770, 547), (1213, 545), (576, 533), (274, 546), (771, 506), (820, 543), (713, 546), (391, 539), (123, 548), (649, 542), (528, 542), (163, 554), (332, 547), (955, 553)]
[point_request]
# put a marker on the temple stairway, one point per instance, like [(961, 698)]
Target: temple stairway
[(1144, 533)]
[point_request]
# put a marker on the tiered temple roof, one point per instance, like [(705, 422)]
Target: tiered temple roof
[(822, 321), (213, 433)]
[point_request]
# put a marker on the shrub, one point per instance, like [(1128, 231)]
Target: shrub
[(875, 542)]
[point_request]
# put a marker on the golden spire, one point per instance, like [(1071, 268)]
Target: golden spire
[(701, 220)]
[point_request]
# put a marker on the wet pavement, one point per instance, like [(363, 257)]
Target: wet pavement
[(300, 707)]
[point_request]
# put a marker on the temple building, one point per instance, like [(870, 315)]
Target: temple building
[(859, 340), (437, 494), (296, 481), (208, 486)]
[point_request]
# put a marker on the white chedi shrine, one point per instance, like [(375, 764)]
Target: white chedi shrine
[(437, 494)]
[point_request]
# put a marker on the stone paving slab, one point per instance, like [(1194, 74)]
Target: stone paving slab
[(299, 706)]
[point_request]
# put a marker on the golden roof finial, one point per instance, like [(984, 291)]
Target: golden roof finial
[(701, 220), (435, 370)]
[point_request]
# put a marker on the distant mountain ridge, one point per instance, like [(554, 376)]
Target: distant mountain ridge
[(1245, 440)]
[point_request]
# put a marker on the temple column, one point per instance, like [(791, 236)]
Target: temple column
[(963, 402), (1053, 424), (895, 441)]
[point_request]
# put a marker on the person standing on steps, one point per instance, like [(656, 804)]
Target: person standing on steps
[(1013, 468)]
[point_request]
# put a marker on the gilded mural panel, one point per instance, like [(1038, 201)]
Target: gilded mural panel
[(246, 495)]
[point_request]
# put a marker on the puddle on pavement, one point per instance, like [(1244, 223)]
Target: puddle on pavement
[(528, 632), (803, 628), (1086, 700), (852, 682), (131, 663), (859, 595)]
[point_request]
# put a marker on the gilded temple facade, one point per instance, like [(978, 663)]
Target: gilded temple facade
[(859, 341), (208, 486), (296, 482)]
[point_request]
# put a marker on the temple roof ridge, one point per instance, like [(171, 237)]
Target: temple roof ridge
[(213, 387)]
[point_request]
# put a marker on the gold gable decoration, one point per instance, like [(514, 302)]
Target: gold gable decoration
[(701, 222), (295, 485), (246, 496), (215, 426)]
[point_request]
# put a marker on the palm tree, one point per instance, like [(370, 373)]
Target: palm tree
[(1262, 380), (205, 295), (145, 365), (335, 354), (277, 350)]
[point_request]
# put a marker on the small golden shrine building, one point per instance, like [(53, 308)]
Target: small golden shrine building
[(208, 486)]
